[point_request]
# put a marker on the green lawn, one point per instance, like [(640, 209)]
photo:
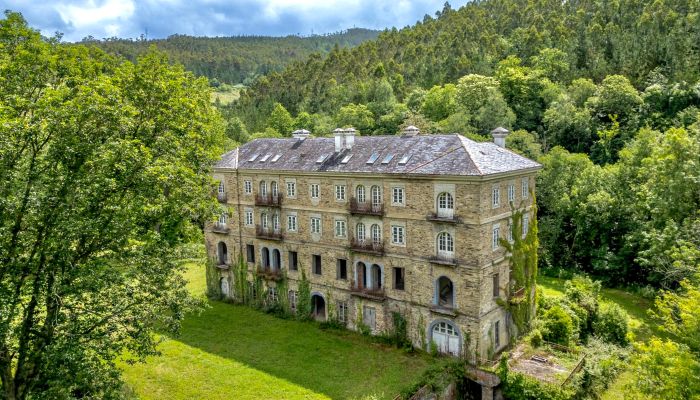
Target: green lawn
[(231, 351)]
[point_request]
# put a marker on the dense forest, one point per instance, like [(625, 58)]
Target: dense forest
[(236, 59)]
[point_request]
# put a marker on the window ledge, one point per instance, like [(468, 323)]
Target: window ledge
[(443, 311)]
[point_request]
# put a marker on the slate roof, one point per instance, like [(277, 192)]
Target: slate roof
[(450, 154)]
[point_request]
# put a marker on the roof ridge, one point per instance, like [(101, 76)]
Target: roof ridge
[(461, 141)]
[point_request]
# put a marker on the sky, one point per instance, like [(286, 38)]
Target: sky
[(77, 19)]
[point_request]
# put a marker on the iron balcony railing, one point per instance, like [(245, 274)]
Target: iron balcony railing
[(268, 233), (269, 200), (222, 197), (367, 208), (367, 246), (220, 228), (443, 259)]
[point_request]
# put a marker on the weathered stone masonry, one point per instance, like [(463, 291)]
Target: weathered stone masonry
[(436, 192)]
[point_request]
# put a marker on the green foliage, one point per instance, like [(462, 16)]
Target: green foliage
[(558, 326), (439, 102), (280, 120), (535, 338), (304, 297), (399, 332), (357, 116), (516, 386), (524, 143), (612, 324), (103, 167), (665, 370)]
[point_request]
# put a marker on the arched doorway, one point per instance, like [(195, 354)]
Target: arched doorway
[(318, 307), (265, 257), (446, 336), (361, 275), (275, 259), (222, 253), (223, 283), (444, 296), (376, 276)]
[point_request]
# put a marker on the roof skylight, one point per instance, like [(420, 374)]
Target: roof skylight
[(346, 159), (276, 157), (265, 157), (321, 159), (373, 158), (404, 159), (251, 159), (387, 158)]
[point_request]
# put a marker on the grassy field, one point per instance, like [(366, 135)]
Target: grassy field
[(227, 94), (230, 351)]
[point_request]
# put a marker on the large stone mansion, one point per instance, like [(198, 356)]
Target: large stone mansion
[(380, 224)]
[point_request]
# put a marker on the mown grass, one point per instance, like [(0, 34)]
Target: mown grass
[(230, 351)]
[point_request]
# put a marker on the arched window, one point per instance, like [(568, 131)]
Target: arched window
[(361, 275), (376, 196), (263, 220), (360, 194), (376, 234), (276, 221), (445, 243), (444, 292), (376, 276), (263, 188), (446, 338), (222, 253), (275, 259), (265, 257), (222, 218), (445, 205), (360, 229), (273, 188)]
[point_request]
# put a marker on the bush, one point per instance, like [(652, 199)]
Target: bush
[(612, 324), (535, 338), (558, 325)]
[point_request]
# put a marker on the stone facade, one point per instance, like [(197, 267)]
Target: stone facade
[(466, 316)]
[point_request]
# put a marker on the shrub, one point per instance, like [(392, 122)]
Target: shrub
[(535, 338), (612, 324), (558, 325)]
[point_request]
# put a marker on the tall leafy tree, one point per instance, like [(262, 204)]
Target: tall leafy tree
[(103, 164)]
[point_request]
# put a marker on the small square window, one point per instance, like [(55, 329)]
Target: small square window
[(399, 277), (293, 261), (342, 266), (316, 264), (397, 196), (398, 234), (250, 253)]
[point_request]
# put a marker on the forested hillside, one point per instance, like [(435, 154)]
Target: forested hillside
[(237, 59)]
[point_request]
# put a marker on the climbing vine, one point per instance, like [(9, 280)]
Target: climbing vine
[(304, 298), (522, 294), (240, 284), (212, 278)]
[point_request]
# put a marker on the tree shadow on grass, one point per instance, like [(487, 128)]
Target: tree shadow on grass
[(338, 364)]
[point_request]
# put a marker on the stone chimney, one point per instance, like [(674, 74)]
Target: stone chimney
[(410, 131), (344, 139), (301, 134), (499, 136)]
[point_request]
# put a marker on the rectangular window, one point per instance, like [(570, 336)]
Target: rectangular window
[(272, 295), (398, 234), (496, 286), (315, 190), (342, 266), (291, 189), (369, 317), (509, 232), (343, 312), (526, 222), (399, 274), (340, 228), (496, 196), (495, 236), (315, 225), (292, 223), (340, 192), (249, 217), (511, 192), (293, 261), (497, 334), (397, 197), (250, 253), (526, 188), (248, 187), (293, 300), (316, 264)]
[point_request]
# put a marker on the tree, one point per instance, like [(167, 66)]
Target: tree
[(280, 120), (482, 100), (439, 102), (103, 165), (357, 116)]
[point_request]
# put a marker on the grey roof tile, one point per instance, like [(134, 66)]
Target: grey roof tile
[(451, 154)]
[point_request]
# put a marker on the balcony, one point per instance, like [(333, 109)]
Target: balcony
[(443, 310), (268, 233), (444, 259), (367, 246), (444, 215), (222, 197), (356, 207), (367, 293), (224, 266), (270, 274), (218, 227), (269, 200)]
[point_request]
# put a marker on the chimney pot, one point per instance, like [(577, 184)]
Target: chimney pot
[(499, 136), (411, 131)]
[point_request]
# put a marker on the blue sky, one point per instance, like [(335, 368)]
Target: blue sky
[(77, 19)]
